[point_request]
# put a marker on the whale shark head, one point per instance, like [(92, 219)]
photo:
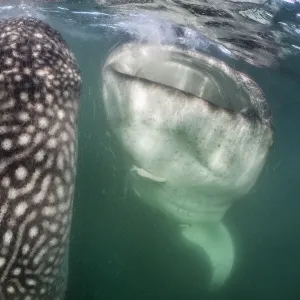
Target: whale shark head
[(39, 96), (196, 135)]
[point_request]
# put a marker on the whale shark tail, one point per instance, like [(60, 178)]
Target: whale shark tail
[(216, 242)]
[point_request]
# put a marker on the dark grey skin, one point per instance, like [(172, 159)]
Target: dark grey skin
[(40, 86)]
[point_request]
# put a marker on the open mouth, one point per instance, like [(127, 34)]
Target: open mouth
[(193, 73), (175, 111)]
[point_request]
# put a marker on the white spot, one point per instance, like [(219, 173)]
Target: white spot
[(72, 148), (13, 37), (60, 191), (54, 128), (24, 116), (27, 71), (24, 96), (48, 270), (39, 156), (39, 256), (41, 72), (49, 98), (63, 207), (43, 122), (25, 249), (51, 198), (50, 160), (5, 182), (2, 262), (25, 262), (65, 219), (37, 95), (24, 139), (49, 112), (21, 173), (52, 143), (6, 144), (66, 94), (57, 180), (49, 211), (48, 83), (53, 242), (30, 128), (33, 231), (39, 107), (21, 208), (46, 224), (60, 161), (64, 136), (10, 289), (3, 129), (53, 227), (8, 61), (51, 259), (38, 138), (31, 282), (7, 104), (12, 194), (18, 78), (38, 35), (16, 271), (7, 237), (67, 176)]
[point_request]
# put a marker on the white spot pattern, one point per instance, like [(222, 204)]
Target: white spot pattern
[(37, 158), (21, 173)]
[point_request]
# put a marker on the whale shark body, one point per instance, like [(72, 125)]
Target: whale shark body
[(40, 88), (196, 135)]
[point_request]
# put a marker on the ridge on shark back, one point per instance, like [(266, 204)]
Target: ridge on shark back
[(196, 134)]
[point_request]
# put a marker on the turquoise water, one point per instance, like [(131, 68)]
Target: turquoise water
[(121, 249)]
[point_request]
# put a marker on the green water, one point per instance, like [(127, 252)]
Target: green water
[(122, 250)]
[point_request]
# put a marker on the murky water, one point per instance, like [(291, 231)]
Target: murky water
[(122, 249)]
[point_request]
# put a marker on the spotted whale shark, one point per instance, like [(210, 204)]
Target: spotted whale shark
[(195, 136), (40, 86)]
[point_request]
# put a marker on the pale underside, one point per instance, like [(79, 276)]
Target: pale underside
[(190, 149)]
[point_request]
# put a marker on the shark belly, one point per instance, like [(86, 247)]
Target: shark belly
[(196, 135)]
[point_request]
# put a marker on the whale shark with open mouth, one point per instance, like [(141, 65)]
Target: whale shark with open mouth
[(195, 133), (40, 86)]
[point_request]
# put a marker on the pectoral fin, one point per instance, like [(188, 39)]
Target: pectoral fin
[(147, 175), (216, 241)]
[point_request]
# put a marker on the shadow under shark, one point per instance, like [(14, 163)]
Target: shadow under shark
[(196, 135)]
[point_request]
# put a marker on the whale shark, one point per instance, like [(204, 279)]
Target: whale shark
[(195, 135), (40, 87)]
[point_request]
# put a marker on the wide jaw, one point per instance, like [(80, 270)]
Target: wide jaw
[(168, 105), (192, 73)]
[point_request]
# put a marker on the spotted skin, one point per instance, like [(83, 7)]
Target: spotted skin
[(40, 87)]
